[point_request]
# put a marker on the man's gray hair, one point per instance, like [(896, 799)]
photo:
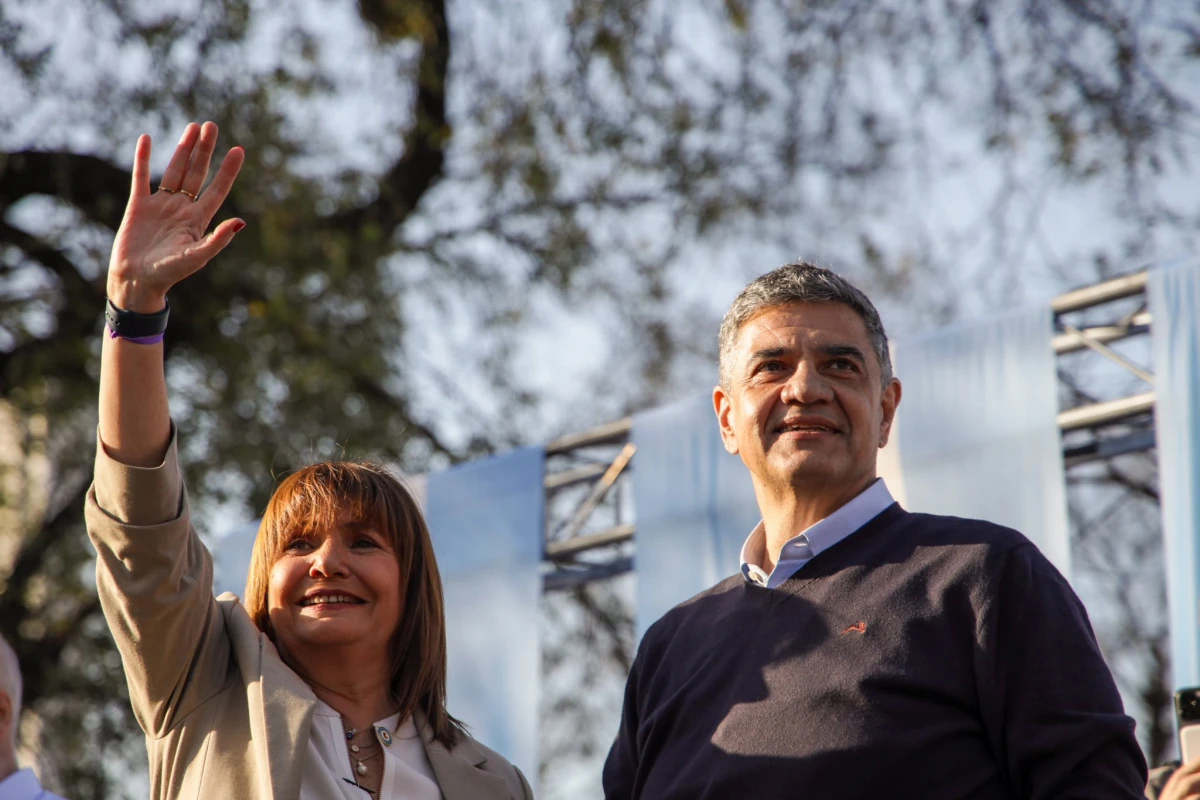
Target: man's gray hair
[(800, 282)]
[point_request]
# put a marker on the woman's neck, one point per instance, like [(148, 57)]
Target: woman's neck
[(361, 694)]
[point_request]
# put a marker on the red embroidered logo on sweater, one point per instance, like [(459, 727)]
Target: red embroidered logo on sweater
[(858, 627)]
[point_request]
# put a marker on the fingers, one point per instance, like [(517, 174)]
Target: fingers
[(197, 171), (141, 168), (1184, 784), (204, 250), (173, 177), (222, 182)]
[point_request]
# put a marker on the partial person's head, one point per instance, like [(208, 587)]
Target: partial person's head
[(806, 394), (10, 708), (343, 557)]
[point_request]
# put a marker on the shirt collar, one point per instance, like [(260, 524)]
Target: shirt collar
[(21, 785), (392, 723), (821, 535)]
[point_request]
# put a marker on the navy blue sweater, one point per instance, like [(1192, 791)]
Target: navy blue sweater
[(921, 657)]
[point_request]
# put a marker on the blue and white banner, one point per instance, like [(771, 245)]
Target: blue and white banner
[(487, 519), (977, 431), (231, 558), (695, 506), (1174, 296)]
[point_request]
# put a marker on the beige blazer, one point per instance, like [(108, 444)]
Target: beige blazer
[(223, 715)]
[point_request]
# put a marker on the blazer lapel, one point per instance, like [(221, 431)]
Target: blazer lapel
[(459, 771), (288, 705), (281, 719)]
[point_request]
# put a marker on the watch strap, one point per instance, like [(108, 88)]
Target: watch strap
[(132, 325)]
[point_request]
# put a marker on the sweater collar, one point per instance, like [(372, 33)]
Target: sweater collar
[(813, 540)]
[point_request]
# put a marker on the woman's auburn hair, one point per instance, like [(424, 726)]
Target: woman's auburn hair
[(321, 496)]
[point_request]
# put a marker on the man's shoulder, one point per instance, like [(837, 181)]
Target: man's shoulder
[(698, 608), (727, 590), (981, 553), (945, 548), (941, 531)]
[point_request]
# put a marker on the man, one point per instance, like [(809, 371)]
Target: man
[(15, 784), (864, 651)]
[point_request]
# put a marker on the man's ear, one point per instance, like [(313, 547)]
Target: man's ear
[(889, 402), (722, 407)]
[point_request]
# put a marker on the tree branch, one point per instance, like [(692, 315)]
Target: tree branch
[(91, 184), (614, 626), (422, 163), (78, 290), (75, 319), (370, 387), (29, 561)]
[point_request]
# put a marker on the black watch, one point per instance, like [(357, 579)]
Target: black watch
[(132, 325)]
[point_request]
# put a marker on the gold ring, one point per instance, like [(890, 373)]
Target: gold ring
[(186, 193), (168, 191)]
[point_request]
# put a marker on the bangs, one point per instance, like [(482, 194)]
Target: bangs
[(323, 496)]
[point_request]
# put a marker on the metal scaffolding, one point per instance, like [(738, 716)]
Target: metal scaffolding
[(590, 529)]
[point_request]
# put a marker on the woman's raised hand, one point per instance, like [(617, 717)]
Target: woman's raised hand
[(161, 240)]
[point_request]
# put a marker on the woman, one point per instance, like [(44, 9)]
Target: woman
[(330, 681)]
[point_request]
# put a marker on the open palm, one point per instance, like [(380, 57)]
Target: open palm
[(162, 237)]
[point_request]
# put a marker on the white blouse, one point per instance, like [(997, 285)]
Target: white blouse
[(329, 775)]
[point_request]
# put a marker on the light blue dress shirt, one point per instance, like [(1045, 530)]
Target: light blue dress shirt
[(24, 785), (817, 538)]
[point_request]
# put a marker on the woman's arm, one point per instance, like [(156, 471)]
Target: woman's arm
[(160, 242), (153, 575)]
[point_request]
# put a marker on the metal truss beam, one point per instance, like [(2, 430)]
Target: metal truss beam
[(1137, 324), (1136, 441), (1108, 412), (1100, 293)]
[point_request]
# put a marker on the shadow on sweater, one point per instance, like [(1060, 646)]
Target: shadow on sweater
[(935, 658)]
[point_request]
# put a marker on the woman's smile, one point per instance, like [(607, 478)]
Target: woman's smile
[(321, 598)]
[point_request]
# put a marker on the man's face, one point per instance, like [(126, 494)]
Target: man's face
[(805, 407)]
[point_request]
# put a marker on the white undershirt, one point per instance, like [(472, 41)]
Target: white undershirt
[(814, 540), (328, 774)]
